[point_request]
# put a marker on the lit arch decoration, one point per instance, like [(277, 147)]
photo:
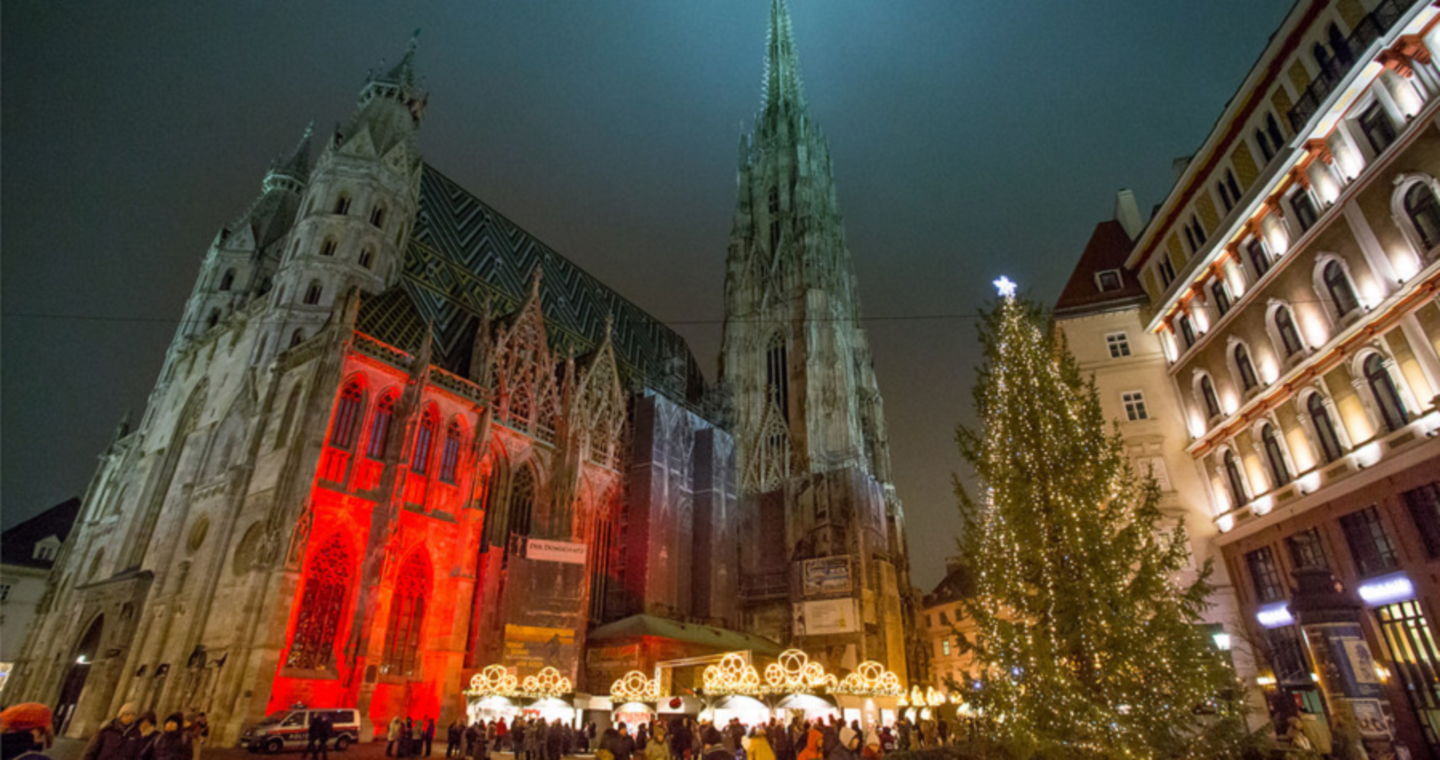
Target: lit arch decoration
[(635, 687), (870, 679), (930, 696), (493, 681), (546, 684), (732, 675), (796, 673)]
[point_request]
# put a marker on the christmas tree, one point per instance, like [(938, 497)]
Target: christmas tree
[(1085, 642)]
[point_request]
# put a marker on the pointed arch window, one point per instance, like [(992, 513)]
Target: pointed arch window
[(367, 258), (297, 337), (342, 204), (1266, 149), (1245, 367), (777, 374), (424, 443), (348, 414), (407, 615), (774, 207), (1387, 396), (519, 507), (1235, 480), (1208, 397), (322, 606), (213, 319), (377, 217), (227, 280), (1289, 335), (328, 247), (1338, 286), (1424, 212), (380, 427), (1275, 456), (1330, 447), (312, 293), (450, 455)]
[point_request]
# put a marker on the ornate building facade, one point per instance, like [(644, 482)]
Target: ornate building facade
[(396, 439)]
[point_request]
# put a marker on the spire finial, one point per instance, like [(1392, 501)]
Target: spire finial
[(782, 67)]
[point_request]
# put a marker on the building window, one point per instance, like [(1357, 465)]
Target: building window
[(4, 592), (1375, 123), (518, 509), (1229, 190), (1306, 550), (1305, 213), (45, 549), (348, 414), (1424, 212), (1135, 406), (380, 427), (1370, 544), (1245, 367), (367, 258), (342, 204), (1166, 269), (1415, 658), (322, 606), (424, 443), (1118, 343), (1275, 456), (297, 337), (945, 647), (1272, 128), (450, 456), (1424, 504), (1264, 142), (407, 615), (1235, 480), (1265, 573), (213, 319), (1259, 257), (1287, 655), (1220, 292), (1187, 330), (328, 247), (777, 374), (1208, 397), (312, 293), (774, 220), (1109, 280), (1387, 396), (1199, 230), (1289, 336), (227, 280), (1338, 286), (377, 217), (1324, 428)]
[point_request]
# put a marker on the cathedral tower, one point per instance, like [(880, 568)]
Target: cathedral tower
[(823, 555)]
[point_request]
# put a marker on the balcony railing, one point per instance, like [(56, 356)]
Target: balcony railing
[(1344, 57)]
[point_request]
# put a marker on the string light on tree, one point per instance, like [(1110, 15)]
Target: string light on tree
[(1005, 287)]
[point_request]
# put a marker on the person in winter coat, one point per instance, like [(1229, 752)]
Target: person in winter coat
[(658, 747), (760, 748), (117, 740), (173, 743), (392, 736), (814, 745), (429, 735), (452, 739), (317, 737), (625, 744), (26, 731)]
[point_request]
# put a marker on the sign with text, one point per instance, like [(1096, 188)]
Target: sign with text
[(825, 617), (529, 648), (826, 576), (555, 551)]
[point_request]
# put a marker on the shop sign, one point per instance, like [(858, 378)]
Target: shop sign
[(555, 551)]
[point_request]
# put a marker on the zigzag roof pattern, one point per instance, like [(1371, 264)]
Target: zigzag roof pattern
[(465, 257)]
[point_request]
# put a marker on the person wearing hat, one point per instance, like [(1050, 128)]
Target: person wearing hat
[(117, 740), (25, 731), (173, 743)]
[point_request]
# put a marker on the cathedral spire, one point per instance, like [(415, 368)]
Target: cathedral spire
[(782, 66), (295, 166)]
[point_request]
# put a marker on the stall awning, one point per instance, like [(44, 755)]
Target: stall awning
[(721, 639)]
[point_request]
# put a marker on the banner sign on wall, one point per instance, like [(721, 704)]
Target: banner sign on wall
[(825, 617), (528, 649), (555, 551), (826, 576)]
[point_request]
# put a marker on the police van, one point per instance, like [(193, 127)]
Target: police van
[(290, 729)]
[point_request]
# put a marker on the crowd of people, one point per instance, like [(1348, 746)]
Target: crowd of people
[(27, 731)]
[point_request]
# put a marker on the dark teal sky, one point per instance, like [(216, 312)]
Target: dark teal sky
[(970, 140)]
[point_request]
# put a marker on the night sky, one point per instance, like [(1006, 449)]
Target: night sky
[(970, 140)]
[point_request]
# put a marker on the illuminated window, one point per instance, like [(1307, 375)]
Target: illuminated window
[(322, 606), (1387, 396), (312, 293), (1424, 212), (1208, 397), (1370, 544), (1265, 574), (1118, 343), (424, 443), (1187, 330), (407, 615), (1245, 367), (1135, 406), (1289, 336), (1330, 447), (1279, 472), (1424, 504), (227, 280), (380, 427), (1305, 213), (1306, 549), (348, 414), (1235, 480), (945, 647), (1338, 286), (342, 204), (450, 456), (1220, 292)]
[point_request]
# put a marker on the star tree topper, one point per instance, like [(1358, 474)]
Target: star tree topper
[(1005, 286)]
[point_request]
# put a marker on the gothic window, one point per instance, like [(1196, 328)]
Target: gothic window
[(450, 456), (1245, 367), (519, 506), (1279, 472), (328, 247), (312, 293), (1264, 142), (1166, 267), (377, 217), (1338, 286), (367, 258), (1424, 212), (424, 443), (348, 414), (493, 517), (1220, 292), (1324, 428), (342, 204), (322, 606), (297, 337), (1234, 479), (1289, 335), (227, 280), (777, 374), (407, 615), (287, 418), (774, 220), (1387, 396), (380, 427), (213, 319), (1259, 258), (1272, 128), (1229, 190), (1209, 397)]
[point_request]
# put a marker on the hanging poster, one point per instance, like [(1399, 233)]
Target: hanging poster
[(528, 649), (554, 551), (826, 576), (825, 617)]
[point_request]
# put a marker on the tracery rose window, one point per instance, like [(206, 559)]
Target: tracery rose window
[(322, 606)]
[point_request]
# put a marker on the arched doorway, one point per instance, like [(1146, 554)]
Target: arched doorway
[(79, 669)]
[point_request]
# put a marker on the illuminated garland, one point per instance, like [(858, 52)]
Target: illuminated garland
[(635, 687), (493, 681), (870, 679), (546, 684), (930, 697), (795, 673), (732, 675)]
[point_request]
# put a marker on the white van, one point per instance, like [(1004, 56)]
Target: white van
[(290, 729)]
